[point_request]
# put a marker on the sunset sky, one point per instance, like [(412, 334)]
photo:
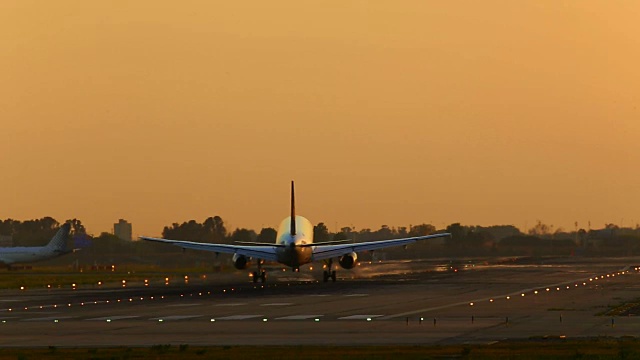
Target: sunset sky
[(383, 112)]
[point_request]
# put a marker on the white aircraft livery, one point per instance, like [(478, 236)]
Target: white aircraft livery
[(294, 247), (56, 247)]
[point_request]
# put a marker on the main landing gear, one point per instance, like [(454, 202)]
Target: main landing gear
[(329, 274), (260, 274)]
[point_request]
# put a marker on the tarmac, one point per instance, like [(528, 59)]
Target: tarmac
[(385, 303)]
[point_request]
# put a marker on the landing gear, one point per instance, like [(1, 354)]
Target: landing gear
[(260, 274), (326, 275), (329, 274)]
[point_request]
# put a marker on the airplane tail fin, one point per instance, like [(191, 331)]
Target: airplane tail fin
[(59, 240), (293, 211)]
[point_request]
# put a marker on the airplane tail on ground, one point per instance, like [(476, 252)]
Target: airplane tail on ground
[(59, 240), (293, 211)]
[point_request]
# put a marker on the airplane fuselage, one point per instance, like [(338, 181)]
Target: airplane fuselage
[(28, 254), (292, 254), (15, 255)]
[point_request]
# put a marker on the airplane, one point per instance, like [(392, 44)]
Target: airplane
[(23, 254), (294, 247)]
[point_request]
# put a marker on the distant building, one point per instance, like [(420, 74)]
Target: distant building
[(122, 230)]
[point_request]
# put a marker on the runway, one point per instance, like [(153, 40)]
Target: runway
[(417, 303)]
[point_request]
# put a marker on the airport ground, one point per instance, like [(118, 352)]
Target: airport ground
[(409, 303)]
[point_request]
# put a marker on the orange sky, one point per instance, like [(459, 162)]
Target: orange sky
[(384, 112)]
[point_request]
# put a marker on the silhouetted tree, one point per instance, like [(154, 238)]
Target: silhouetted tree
[(240, 235), (540, 229), (458, 235), (77, 227), (320, 233), (422, 230), (267, 235), (214, 230)]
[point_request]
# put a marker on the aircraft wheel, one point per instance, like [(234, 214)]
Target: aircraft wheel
[(333, 276), (263, 277), (255, 276), (325, 276)]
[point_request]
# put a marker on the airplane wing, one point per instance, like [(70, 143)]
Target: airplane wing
[(260, 251), (321, 252)]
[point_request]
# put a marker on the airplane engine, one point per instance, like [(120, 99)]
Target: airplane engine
[(348, 261), (240, 261)]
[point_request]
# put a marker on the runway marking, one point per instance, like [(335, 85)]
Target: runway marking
[(462, 303), (277, 304), (50, 318), (238, 317), (298, 317), (232, 304), (355, 295), (359, 317), (9, 300), (113, 318), (45, 312), (180, 305), (175, 317), (318, 295)]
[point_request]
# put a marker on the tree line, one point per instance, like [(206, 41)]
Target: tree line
[(465, 240)]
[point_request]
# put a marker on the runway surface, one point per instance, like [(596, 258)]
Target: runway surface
[(381, 303)]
